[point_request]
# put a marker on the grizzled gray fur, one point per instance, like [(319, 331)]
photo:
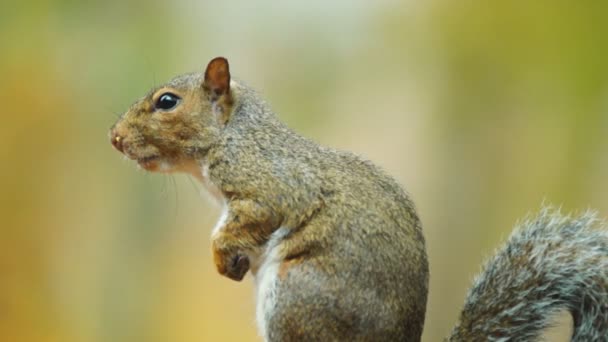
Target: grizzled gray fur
[(550, 263)]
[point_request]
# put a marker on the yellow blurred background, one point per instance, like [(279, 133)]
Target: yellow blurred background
[(482, 109)]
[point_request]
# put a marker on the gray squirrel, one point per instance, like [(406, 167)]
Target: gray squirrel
[(334, 244)]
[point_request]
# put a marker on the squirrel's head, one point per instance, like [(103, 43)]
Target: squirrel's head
[(175, 124)]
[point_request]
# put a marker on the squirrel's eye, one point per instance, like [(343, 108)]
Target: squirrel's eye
[(167, 101)]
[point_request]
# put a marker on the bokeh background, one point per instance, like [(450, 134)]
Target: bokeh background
[(482, 109)]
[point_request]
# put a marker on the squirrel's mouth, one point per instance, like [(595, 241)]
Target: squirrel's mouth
[(149, 163)]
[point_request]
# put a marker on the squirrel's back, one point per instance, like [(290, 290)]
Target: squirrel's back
[(550, 263), (357, 259)]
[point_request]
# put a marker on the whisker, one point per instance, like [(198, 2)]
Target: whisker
[(114, 112), (163, 188), (176, 200), (196, 189)]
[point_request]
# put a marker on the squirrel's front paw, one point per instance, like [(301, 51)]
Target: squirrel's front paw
[(228, 261)]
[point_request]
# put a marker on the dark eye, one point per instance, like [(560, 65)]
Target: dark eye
[(167, 101)]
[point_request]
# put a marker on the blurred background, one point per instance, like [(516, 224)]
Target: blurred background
[(483, 110)]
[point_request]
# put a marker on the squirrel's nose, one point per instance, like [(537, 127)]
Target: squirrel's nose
[(117, 141)]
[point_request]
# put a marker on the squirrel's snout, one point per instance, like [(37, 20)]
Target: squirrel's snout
[(117, 141)]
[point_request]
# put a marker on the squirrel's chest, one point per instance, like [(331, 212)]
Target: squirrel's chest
[(210, 188), (267, 278)]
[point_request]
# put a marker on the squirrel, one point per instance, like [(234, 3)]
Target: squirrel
[(335, 244)]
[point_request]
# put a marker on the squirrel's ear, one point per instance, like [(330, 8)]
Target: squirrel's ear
[(217, 78)]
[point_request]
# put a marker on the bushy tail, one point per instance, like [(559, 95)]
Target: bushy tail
[(550, 263)]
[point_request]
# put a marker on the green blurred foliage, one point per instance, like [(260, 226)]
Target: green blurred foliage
[(482, 109)]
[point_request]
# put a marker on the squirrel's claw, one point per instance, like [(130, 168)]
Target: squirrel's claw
[(228, 262), (239, 267)]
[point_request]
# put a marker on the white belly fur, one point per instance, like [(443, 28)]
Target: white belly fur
[(267, 263), (266, 280)]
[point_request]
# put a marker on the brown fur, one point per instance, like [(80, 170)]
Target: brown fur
[(352, 265), (335, 244)]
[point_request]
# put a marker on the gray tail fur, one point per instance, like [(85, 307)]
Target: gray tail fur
[(550, 263)]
